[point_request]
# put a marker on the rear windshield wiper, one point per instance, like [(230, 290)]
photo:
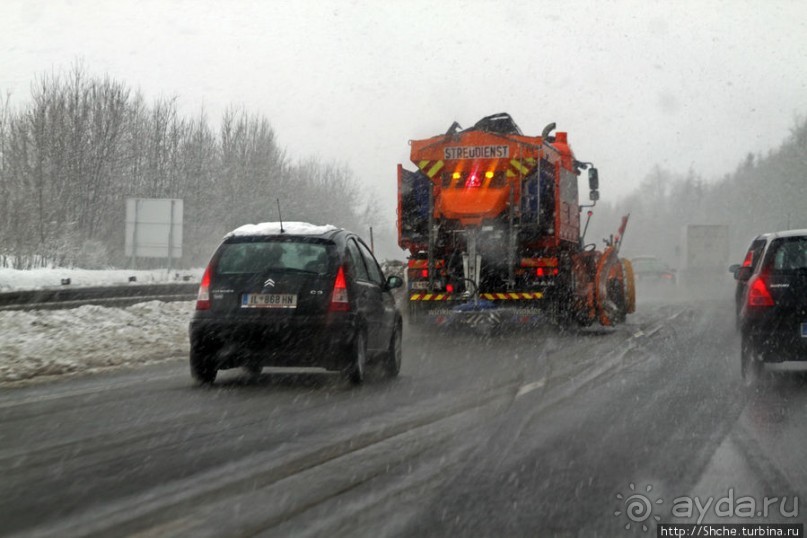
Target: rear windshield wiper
[(292, 270)]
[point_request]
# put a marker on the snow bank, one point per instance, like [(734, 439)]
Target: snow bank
[(51, 342), (16, 279)]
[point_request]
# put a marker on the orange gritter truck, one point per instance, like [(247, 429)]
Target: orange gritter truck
[(492, 222)]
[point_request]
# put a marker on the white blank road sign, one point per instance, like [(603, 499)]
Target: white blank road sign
[(153, 228)]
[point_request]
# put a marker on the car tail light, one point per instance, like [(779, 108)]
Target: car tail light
[(449, 288), (758, 294), (203, 297), (339, 301)]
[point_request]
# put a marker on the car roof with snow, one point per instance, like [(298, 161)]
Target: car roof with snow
[(287, 228)]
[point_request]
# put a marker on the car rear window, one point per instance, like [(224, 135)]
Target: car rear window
[(261, 256), (788, 254)]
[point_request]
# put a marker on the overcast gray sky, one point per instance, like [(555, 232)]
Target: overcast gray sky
[(635, 83)]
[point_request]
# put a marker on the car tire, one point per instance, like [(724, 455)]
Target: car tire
[(202, 368), (751, 369), (392, 359), (357, 367)]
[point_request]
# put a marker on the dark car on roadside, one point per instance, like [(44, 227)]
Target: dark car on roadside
[(294, 295), (772, 292)]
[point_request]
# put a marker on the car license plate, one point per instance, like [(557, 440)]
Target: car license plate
[(268, 300), (804, 330), (420, 285)]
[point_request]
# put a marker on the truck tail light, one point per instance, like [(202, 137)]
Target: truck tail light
[(419, 269), (203, 297), (758, 294), (339, 301), (546, 271)]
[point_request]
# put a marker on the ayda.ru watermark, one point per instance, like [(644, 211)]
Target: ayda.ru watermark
[(640, 508)]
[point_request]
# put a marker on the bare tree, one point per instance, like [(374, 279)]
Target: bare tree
[(83, 144)]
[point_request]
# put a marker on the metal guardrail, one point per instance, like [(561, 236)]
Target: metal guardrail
[(102, 295)]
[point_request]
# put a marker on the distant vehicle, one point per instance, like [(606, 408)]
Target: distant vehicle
[(294, 294), (651, 270), (772, 283)]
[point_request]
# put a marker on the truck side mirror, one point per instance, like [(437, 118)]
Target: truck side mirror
[(593, 179), (594, 196)]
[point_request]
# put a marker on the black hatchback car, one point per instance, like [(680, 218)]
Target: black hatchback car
[(772, 301), (294, 295)]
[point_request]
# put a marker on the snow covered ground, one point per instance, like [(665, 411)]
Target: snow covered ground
[(15, 279), (56, 342), (35, 344)]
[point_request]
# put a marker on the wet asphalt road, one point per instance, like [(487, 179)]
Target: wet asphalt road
[(522, 434)]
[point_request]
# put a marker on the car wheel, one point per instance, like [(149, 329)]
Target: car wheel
[(392, 359), (202, 368), (752, 370), (355, 371)]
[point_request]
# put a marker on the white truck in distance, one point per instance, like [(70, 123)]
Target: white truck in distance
[(704, 255)]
